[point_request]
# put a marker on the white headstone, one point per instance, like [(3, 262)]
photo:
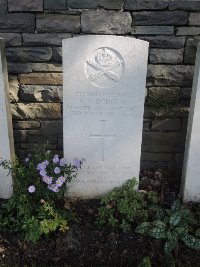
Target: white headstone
[(191, 168), (104, 92), (6, 130)]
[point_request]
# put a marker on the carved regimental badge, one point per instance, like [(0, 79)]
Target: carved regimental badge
[(105, 67)]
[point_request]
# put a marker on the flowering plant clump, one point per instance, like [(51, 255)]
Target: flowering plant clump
[(40, 178)]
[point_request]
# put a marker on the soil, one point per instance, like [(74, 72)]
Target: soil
[(87, 245)]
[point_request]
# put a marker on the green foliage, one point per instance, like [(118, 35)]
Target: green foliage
[(34, 207), (172, 225), (146, 262), (124, 207)]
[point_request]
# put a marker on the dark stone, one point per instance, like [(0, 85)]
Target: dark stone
[(82, 4), (3, 6), (17, 22), (12, 39), (58, 23), (52, 128), (173, 75), (152, 30), (54, 4), (163, 142), (17, 68), (164, 41), (190, 50), (160, 18), (57, 54), (26, 54), (25, 5), (111, 4), (187, 31), (194, 19), (21, 111), (42, 39), (41, 93), (166, 125), (184, 5), (145, 4), (106, 22), (170, 56)]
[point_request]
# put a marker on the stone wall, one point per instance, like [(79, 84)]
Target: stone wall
[(34, 29)]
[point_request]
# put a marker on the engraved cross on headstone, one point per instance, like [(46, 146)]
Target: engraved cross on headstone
[(102, 136)]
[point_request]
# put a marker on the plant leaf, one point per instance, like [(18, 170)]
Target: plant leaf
[(158, 232), (176, 205), (175, 218), (143, 228), (191, 241)]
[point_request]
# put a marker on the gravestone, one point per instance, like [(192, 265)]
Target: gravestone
[(104, 92), (191, 168), (6, 130)]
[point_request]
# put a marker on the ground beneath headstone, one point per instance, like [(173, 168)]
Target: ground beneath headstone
[(86, 245)]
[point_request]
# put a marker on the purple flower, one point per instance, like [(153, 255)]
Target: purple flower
[(57, 170), (77, 163), (62, 179), (27, 160), (46, 162), (59, 183), (43, 172), (47, 179), (62, 162), (31, 189), (56, 159), (53, 187), (41, 166)]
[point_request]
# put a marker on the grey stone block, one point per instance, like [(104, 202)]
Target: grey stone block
[(186, 92), (41, 78), (164, 95), (52, 4), (160, 18), (82, 4), (152, 30), (166, 125), (173, 75), (184, 4), (20, 135), (12, 39), (26, 54), (46, 67), (106, 22), (54, 127), (164, 41), (19, 68), (37, 93), (111, 4), (42, 39), (170, 56), (58, 23), (148, 156), (33, 111), (19, 22), (26, 124), (57, 54), (3, 6), (25, 5), (145, 4), (163, 142), (190, 50), (187, 31), (13, 88), (194, 19)]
